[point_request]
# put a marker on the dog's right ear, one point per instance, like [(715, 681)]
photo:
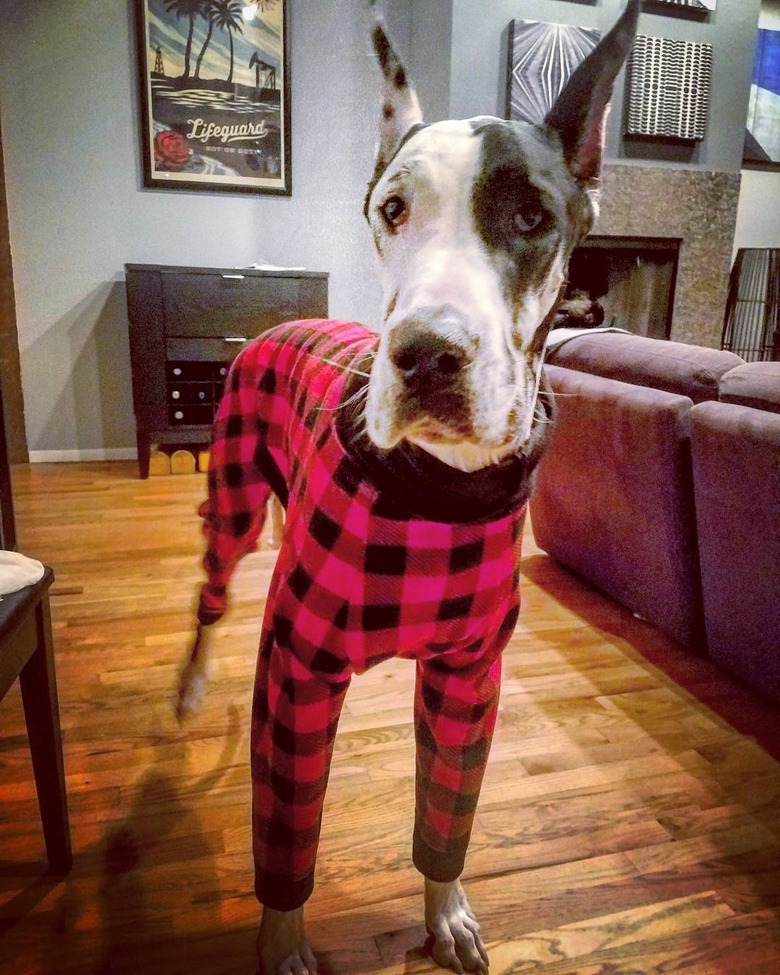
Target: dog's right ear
[(400, 108), (579, 113)]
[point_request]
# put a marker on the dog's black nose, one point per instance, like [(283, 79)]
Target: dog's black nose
[(422, 356)]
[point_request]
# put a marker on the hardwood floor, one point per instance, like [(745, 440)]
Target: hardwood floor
[(625, 826)]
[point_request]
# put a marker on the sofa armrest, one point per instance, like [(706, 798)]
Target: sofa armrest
[(755, 384), (687, 370), (613, 498)]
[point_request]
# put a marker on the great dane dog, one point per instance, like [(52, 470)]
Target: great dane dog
[(403, 459)]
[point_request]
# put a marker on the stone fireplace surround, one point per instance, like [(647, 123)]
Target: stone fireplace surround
[(697, 206)]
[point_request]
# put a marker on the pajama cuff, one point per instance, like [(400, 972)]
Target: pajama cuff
[(212, 603), (443, 867), (281, 894)]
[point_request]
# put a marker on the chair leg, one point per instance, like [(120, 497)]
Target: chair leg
[(41, 709)]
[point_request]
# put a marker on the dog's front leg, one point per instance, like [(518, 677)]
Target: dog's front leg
[(449, 919), (282, 948)]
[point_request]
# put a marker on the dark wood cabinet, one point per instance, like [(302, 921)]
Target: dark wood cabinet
[(186, 326)]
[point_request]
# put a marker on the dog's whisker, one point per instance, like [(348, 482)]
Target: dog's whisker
[(362, 393), (348, 368)]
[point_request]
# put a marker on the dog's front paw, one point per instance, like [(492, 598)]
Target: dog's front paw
[(457, 942), (282, 947)]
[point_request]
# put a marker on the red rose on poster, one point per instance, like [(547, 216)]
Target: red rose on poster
[(171, 150)]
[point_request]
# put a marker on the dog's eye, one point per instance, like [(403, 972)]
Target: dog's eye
[(394, 211), (526, 218)]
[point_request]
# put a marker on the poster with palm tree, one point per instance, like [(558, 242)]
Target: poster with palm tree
[(215, 94)]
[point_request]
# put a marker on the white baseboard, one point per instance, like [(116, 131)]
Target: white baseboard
[(74, 456)]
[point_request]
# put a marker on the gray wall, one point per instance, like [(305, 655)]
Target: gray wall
[(429, 57), (758, 216), (78, 211), (479, 67)]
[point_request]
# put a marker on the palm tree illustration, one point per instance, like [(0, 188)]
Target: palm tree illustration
[(227, 16), (190, 9), (209, 12)]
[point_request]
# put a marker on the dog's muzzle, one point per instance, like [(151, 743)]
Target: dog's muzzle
[(431, 361), (425, 359)]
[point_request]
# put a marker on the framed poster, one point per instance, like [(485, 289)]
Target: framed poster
[(542, 58), (762, 138), (215, 94)]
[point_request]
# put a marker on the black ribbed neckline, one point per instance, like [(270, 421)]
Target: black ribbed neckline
[(415, 482)]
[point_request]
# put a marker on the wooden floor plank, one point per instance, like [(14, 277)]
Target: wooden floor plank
[(629, 823)]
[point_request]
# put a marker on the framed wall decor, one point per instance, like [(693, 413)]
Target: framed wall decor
[(762, 138), (215, 94), (668, 88), (542, 58), (694, 6)]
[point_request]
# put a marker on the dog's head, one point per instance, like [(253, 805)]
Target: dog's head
[(474, 223)]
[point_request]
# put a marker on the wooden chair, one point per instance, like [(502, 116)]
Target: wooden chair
[(27, 652)]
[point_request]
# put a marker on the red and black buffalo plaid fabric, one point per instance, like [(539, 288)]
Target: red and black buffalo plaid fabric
[(359, 579)]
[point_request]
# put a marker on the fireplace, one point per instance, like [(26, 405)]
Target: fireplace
[(630, 281), (697, 208)]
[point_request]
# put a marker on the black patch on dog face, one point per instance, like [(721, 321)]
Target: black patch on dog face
[(525, 204)]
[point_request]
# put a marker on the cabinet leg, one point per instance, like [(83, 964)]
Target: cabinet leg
[(144, 453)]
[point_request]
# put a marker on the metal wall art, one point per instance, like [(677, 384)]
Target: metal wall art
[(668, 88), (542, 57), (698, 6)]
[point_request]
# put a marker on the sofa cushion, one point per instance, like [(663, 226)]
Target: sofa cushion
[(736, 467), (613, 498), (755, 384), (688, 370)]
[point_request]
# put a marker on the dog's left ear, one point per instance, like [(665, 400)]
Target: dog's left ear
[(579, 113), (400, 107)]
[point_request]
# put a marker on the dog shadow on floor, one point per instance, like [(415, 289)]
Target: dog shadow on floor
[(161, 848), (148, 894)]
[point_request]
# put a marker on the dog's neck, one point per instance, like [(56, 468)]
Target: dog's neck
[(465, 456), (466, 485)]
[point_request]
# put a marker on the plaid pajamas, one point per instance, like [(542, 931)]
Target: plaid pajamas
[(358, 580)]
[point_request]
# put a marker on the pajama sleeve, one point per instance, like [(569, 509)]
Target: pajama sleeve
[(238, 478)]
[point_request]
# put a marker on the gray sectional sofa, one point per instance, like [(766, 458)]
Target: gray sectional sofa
[(661, 487)]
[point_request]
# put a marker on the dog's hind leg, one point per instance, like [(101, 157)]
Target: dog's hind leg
[(194, 675)]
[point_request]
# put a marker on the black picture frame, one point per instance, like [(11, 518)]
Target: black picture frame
[(214, 86)]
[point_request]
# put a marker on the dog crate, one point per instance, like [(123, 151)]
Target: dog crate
[(751, 324)]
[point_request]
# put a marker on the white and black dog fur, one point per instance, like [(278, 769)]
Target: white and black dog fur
[(474, 223)]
